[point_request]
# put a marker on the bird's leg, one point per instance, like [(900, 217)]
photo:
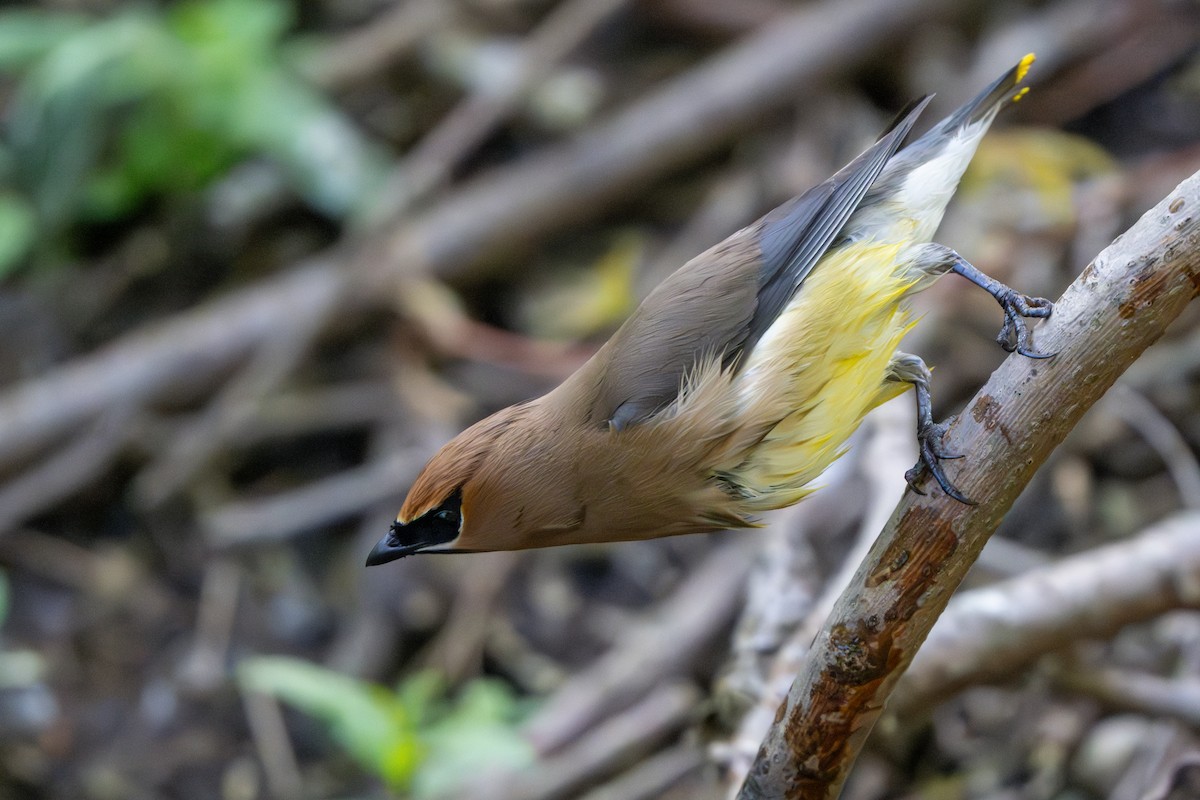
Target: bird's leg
[(907, 368), (1014, 335)]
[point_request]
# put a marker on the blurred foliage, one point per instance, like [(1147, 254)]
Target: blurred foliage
[(17, 667), (413, 738), (575, 303), (1045, 164), (108, 113)]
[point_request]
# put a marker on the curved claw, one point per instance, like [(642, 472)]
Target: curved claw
[(1031, 306), (1015, 307), (932, 454), (913, 478), (1014, 335), (932, 437)]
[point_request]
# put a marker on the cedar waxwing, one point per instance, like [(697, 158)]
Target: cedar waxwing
[(739, 379)]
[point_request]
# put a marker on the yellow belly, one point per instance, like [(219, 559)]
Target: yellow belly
[(819, 369)]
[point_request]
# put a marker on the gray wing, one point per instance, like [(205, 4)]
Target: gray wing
[(721, 303), (794, 236)]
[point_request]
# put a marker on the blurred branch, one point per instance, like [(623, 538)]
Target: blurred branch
[(1120, 304), (331, 407), (653, 776), (662, 647), (1177, 698), (66, 471), (717, 17), (684, 119), (190, 349), (319, 503), (206, 665), (989, 633), (429, 165), (269, 730), (456, 653), (614, 742), (1166, 766), (372, 48), (1133, 42), (209, 434), (689, 116), (1160, 433)]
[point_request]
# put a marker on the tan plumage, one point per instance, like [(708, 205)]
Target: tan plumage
[(737, 381)]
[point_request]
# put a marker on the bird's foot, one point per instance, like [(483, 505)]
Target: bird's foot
[(933, 452), (1014, 335)]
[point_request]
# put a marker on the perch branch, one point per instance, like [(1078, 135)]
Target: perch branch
[(1117, 307)]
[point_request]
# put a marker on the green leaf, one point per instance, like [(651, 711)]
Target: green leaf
[(58, 118), (231, 27), (145, 102), (326, 157), (366, 719), (420, 694), (477, 736), (18, 229), (26, 35)]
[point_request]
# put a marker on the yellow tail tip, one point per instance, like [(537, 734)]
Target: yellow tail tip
[(1024, 91), (1024, 66)]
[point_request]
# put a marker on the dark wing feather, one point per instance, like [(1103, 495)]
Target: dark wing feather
[(794, 236), (721, 303)]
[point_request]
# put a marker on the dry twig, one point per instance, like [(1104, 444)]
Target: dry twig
[(656, 650), (465, 127), (322, 502), (615, 742), (987, 634), (653, 776), (1172, 698)]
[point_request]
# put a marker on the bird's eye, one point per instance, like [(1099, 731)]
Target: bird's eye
[(449, 513)]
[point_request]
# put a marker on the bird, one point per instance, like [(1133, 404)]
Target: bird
[(739, 378)]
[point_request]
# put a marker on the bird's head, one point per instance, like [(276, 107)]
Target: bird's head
[(461, 501), (433, 531)]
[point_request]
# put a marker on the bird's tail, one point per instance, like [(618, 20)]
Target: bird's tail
[(917, 183), (1004, 90)]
